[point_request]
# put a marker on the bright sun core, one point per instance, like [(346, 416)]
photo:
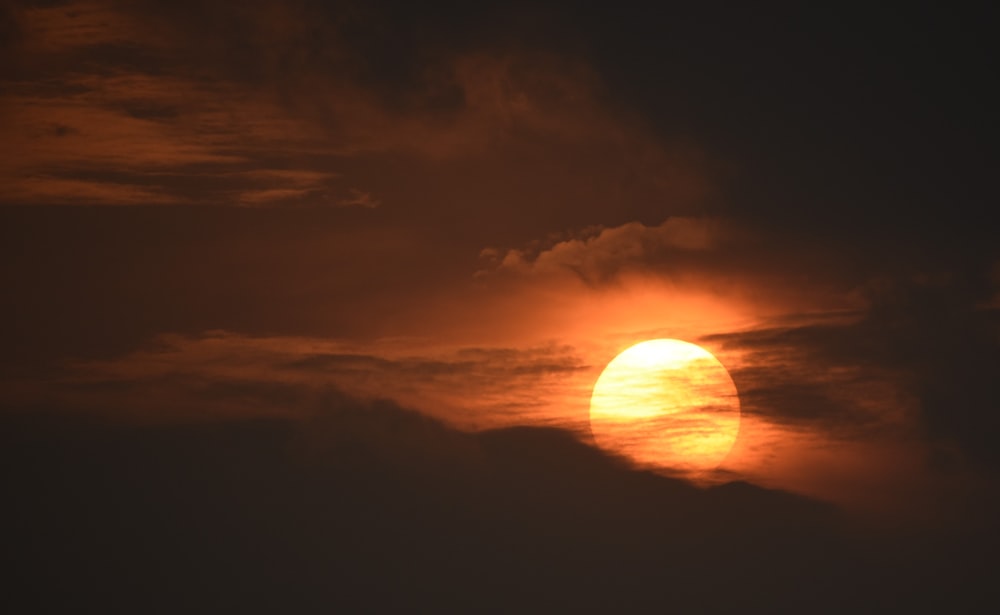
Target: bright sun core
[(666, 404)]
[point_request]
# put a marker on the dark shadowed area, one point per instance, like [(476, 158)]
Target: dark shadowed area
[(370, 507)]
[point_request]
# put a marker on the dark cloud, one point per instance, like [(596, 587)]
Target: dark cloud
[(10, 32), (798, 373), (924, 336), (935, 328), (371, 506), (166, 269)]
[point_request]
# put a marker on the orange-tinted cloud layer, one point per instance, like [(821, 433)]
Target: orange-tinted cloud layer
[(822, 425), (101, 108)]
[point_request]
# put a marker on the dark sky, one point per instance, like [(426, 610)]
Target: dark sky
[(303, 302)]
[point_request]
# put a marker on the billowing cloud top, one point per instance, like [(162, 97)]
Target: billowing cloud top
[(597, 253)]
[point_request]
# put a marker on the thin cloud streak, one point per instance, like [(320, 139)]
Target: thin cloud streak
[(219, 374)]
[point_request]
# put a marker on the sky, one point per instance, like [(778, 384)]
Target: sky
[(304, 302)]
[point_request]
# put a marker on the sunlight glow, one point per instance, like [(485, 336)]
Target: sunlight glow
[(667, 404)]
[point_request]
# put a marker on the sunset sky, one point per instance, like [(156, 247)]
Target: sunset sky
[(272, 269)]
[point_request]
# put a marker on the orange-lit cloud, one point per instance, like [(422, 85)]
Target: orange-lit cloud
[(821, 387), (597, 254), (800, 396), (221, 374), (62, 190), (66, 27), (148, 116)]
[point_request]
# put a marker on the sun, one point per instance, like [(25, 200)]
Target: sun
[(666, 404)]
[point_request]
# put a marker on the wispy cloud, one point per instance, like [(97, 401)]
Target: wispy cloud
[(227, 374), (359, 198), (109, 95), (69, 26)]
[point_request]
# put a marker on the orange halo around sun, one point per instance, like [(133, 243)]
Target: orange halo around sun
[(667, 404)]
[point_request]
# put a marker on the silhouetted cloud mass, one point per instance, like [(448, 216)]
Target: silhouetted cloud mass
[(368, 506)]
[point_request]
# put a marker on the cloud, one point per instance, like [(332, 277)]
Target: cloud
[(917, 360), (72, 141), (359, 198), (68, 26), (840, 360), (816, 373), (268, 196), (371, 506), (220, 374), (597, 254), (813, 422), (936, 328), (62, 190), (190, 101)]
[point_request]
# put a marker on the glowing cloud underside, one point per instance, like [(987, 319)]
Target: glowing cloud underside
[(667, 404)]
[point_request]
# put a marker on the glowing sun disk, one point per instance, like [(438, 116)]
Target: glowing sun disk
[(668, 404)]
